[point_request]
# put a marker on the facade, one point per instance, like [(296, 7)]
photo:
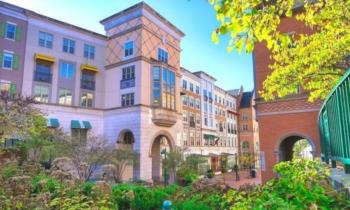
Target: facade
[(248, 126), (13, 29), (283, 121), (126, 86)]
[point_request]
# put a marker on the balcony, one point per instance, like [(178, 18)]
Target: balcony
[(127, 83), (164, 117), (87, 84), (42, 77)]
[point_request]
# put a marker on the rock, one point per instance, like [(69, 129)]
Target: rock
[(64, 167)]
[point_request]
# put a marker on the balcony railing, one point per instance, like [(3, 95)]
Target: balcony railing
[(87, 84), (334, 124), (127, 83), (42, 77), (164, 117)]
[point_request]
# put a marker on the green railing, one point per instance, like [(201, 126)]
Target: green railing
[(334, 125)]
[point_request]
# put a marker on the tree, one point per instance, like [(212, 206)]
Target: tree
[(314, 62), (299, 148), (172, 161), (121, 158), (17, 116), (86, 155)]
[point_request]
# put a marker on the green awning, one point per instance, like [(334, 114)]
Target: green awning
[(87, 125), (209, 136), (75, 124), (53, 123)]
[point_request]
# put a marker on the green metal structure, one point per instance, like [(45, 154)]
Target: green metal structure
[(334, 125)]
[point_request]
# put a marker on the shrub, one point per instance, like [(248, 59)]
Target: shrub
[(87, 188), (210, 173), (10, 170), (43, 183)]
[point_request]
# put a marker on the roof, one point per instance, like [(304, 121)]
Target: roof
[(150, 9), (32, 13), (198, 74), (234, 92), (246, 100)]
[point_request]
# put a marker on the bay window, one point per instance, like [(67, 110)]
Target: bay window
[(163, 87)]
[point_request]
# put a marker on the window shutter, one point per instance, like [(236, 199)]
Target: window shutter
[(2, 29), (18, 34), (13, 89), (15, 61)]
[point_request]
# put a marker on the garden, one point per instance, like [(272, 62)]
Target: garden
[(34, 174)]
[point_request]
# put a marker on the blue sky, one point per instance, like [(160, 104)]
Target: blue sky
[(196, 18)]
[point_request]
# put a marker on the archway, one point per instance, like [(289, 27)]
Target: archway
[(293, 146), (126, 139), (160, 146)]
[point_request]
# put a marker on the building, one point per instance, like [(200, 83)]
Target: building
[(286, 120), (13, 29), (125, 86), (248, 126)]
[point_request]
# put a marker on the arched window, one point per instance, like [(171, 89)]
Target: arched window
[(128, 138)]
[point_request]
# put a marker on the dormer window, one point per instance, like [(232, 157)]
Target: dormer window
[(128, 49)]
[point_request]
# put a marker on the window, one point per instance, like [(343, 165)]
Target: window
[(11, 31), (89, 51), (128, 99), (205, 121), (129, 72), (198, 104), (192, 102), (65, 97), (80, 134), (86, 99), (210, 108), (42, 72), (185, 136), (7, 61), (245, 145), (41, 94), (156, 85), (184, 100), (245, 127), (244, 116), (128, 48), (162, 55), (67, 71), (165, 94), (204, 92), (184, 84), (192, 121), (197, 89), (198, 119), (184, 116), (191, 87), (68, 45), (88, 80), (45, 40), (210, 95), (205, 107)]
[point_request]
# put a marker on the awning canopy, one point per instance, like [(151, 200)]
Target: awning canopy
[(209, 136), (76, 124), (53, 123), (44, 58), (89, 68)]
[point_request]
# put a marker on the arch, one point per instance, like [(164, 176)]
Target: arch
[(284, 146), (126, 136), (166, 134), (160, 142)]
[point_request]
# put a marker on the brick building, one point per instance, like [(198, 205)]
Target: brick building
[(284, 121)]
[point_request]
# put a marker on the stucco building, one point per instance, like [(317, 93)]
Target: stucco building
[(125, 86)]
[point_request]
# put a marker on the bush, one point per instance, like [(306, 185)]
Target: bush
[(303, 184), (43, 183), (210, 173), (87, 188), (10, 170)]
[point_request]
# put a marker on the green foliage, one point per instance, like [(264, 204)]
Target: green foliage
[(188, 171), (210, 173), (87, 188), (296, 63), (43, 183), (10, 170), (303, 184)]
